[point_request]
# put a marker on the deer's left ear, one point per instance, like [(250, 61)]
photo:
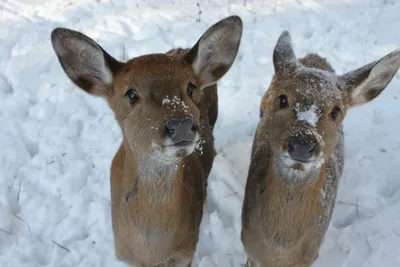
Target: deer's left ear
[(216, 50), (366, 83)]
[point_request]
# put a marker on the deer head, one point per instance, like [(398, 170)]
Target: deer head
[(306, 106), (154, 97)]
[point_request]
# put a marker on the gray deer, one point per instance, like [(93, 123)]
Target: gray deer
[(297, 155)]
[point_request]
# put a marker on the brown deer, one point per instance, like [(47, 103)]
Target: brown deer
[(159, 174), (297, 155)]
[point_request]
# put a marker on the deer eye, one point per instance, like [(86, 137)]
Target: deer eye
[(335, 113), (190, 88), (283, 101), (132, 95)]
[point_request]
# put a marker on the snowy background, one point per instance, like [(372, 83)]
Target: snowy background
[(56, 142)]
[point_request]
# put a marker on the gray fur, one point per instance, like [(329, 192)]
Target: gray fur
[(284, 218)]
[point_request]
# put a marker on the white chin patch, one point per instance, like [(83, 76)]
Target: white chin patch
[(314, 162), (301, 166), (291, 169), (179, 151), (169, 152)]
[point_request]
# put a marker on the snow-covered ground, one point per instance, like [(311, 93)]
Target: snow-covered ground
[(56, 142)]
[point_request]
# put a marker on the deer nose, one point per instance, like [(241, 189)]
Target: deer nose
[(181, 130), (301, 150)]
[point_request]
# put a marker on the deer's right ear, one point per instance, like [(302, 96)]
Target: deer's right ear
[(284, 57), (215, 52), (84, 61)]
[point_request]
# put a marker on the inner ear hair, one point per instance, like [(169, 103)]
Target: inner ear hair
[(84, 61), (214, 53), (366, 83)]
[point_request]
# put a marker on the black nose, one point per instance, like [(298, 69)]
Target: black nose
[(181, 130), (301, 150)]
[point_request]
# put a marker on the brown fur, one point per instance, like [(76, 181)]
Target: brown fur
[(210, 92), (142, 220), (166, 107), (312, 61), (315, 61)]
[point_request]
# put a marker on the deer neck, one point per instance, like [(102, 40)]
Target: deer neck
[(152, 180), (298, 190), (295, 206)]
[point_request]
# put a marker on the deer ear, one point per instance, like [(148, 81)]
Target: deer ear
[(284, 57), (367, 82), (84, 61), (216, 50)]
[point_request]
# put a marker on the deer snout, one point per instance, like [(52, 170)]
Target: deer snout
[(301, 149), (181, 131)]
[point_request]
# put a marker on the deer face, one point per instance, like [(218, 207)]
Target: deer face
[(154, 97), (155, 102), (305, 107)]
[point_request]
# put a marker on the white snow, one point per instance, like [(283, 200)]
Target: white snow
[(165, 101), (199, 146), (57, 143), (178, 103), (308, 115), (175, 102)]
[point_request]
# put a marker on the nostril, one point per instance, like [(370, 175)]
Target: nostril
[(311, 148), (169, 130), (290, 146), (194, 128)]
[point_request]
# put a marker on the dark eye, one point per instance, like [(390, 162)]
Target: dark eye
[(335, 113), (190, 88), (283, 101), (133, 96)]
